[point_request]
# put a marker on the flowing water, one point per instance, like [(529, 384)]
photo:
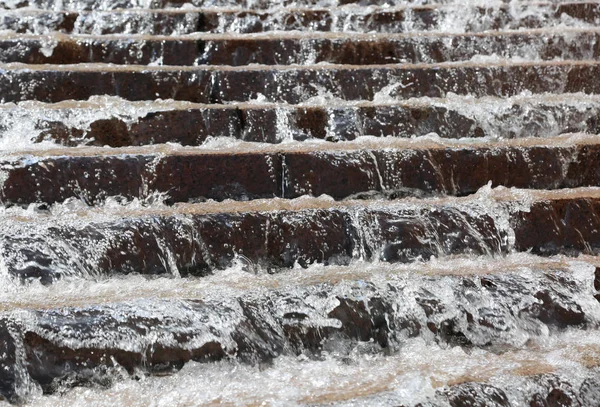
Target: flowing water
[(388, 292)]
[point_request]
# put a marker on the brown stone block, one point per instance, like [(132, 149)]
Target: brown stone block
[(190, 177), (273, 50), (420, 233), (87, 178), (454, 171), (338, 174), (295, 84), (61, 347), (273, 124), (216, 176), (559, 226)]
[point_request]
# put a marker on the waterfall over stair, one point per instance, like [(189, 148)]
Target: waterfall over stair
[(300, 202)]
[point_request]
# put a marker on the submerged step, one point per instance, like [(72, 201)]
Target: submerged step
[(275, 234), (367, 381), (293, 84), (498, 310), (452, 18), (79, 5), (301, 48), (387, 168), (117, 123)]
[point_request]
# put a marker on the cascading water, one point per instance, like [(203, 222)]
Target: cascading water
[(308, 202)]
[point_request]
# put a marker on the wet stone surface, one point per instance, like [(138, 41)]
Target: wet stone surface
[(203, 243), (339, 174), (276, 124), (70, 346), (288, 51), (332, 268), (297, 84)]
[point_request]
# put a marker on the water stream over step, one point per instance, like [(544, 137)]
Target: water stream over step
[(300, 202), (505, 319)]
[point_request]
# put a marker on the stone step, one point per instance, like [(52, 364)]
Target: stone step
[(300, 49), (453, 18), (537, 388), (432, 262), (117, 123), (197, 239), (293, 84), (435, 379), (82, 5), (391, 167), (498, 308)]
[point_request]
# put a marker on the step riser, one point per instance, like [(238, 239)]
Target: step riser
[(62, 346), (193, 126), (538, 390), (77, 5), (321, 20), (296, 85), (238, 52), (370, 255), (342, 174), (199, 244)]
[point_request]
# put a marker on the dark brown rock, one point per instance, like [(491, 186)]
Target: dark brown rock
[(558, 226), (295, 84), (476, 395), (340, 174), (453, 171), (192, 126), (196, 244), (554, 392), (353, 50), (10, 380), (555, 309), (62, 347)]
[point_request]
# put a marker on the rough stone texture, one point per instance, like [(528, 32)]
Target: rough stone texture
[(201, 243), (287, 51), (297, 84), (183, 178), (340, 174), (559, 226), (476, 394), (192, 126), (86, 345), (9, 376), (94, 344), (446, 171)]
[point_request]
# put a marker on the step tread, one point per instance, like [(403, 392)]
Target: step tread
[(293, 83), (388, 144), (237, 324), (201, 238), (102, 67), (296, 35), (382, 19), (280, 49), (341, 170), (108, 213), (79, 293)]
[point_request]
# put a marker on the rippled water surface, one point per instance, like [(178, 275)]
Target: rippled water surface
[(356, 331)]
